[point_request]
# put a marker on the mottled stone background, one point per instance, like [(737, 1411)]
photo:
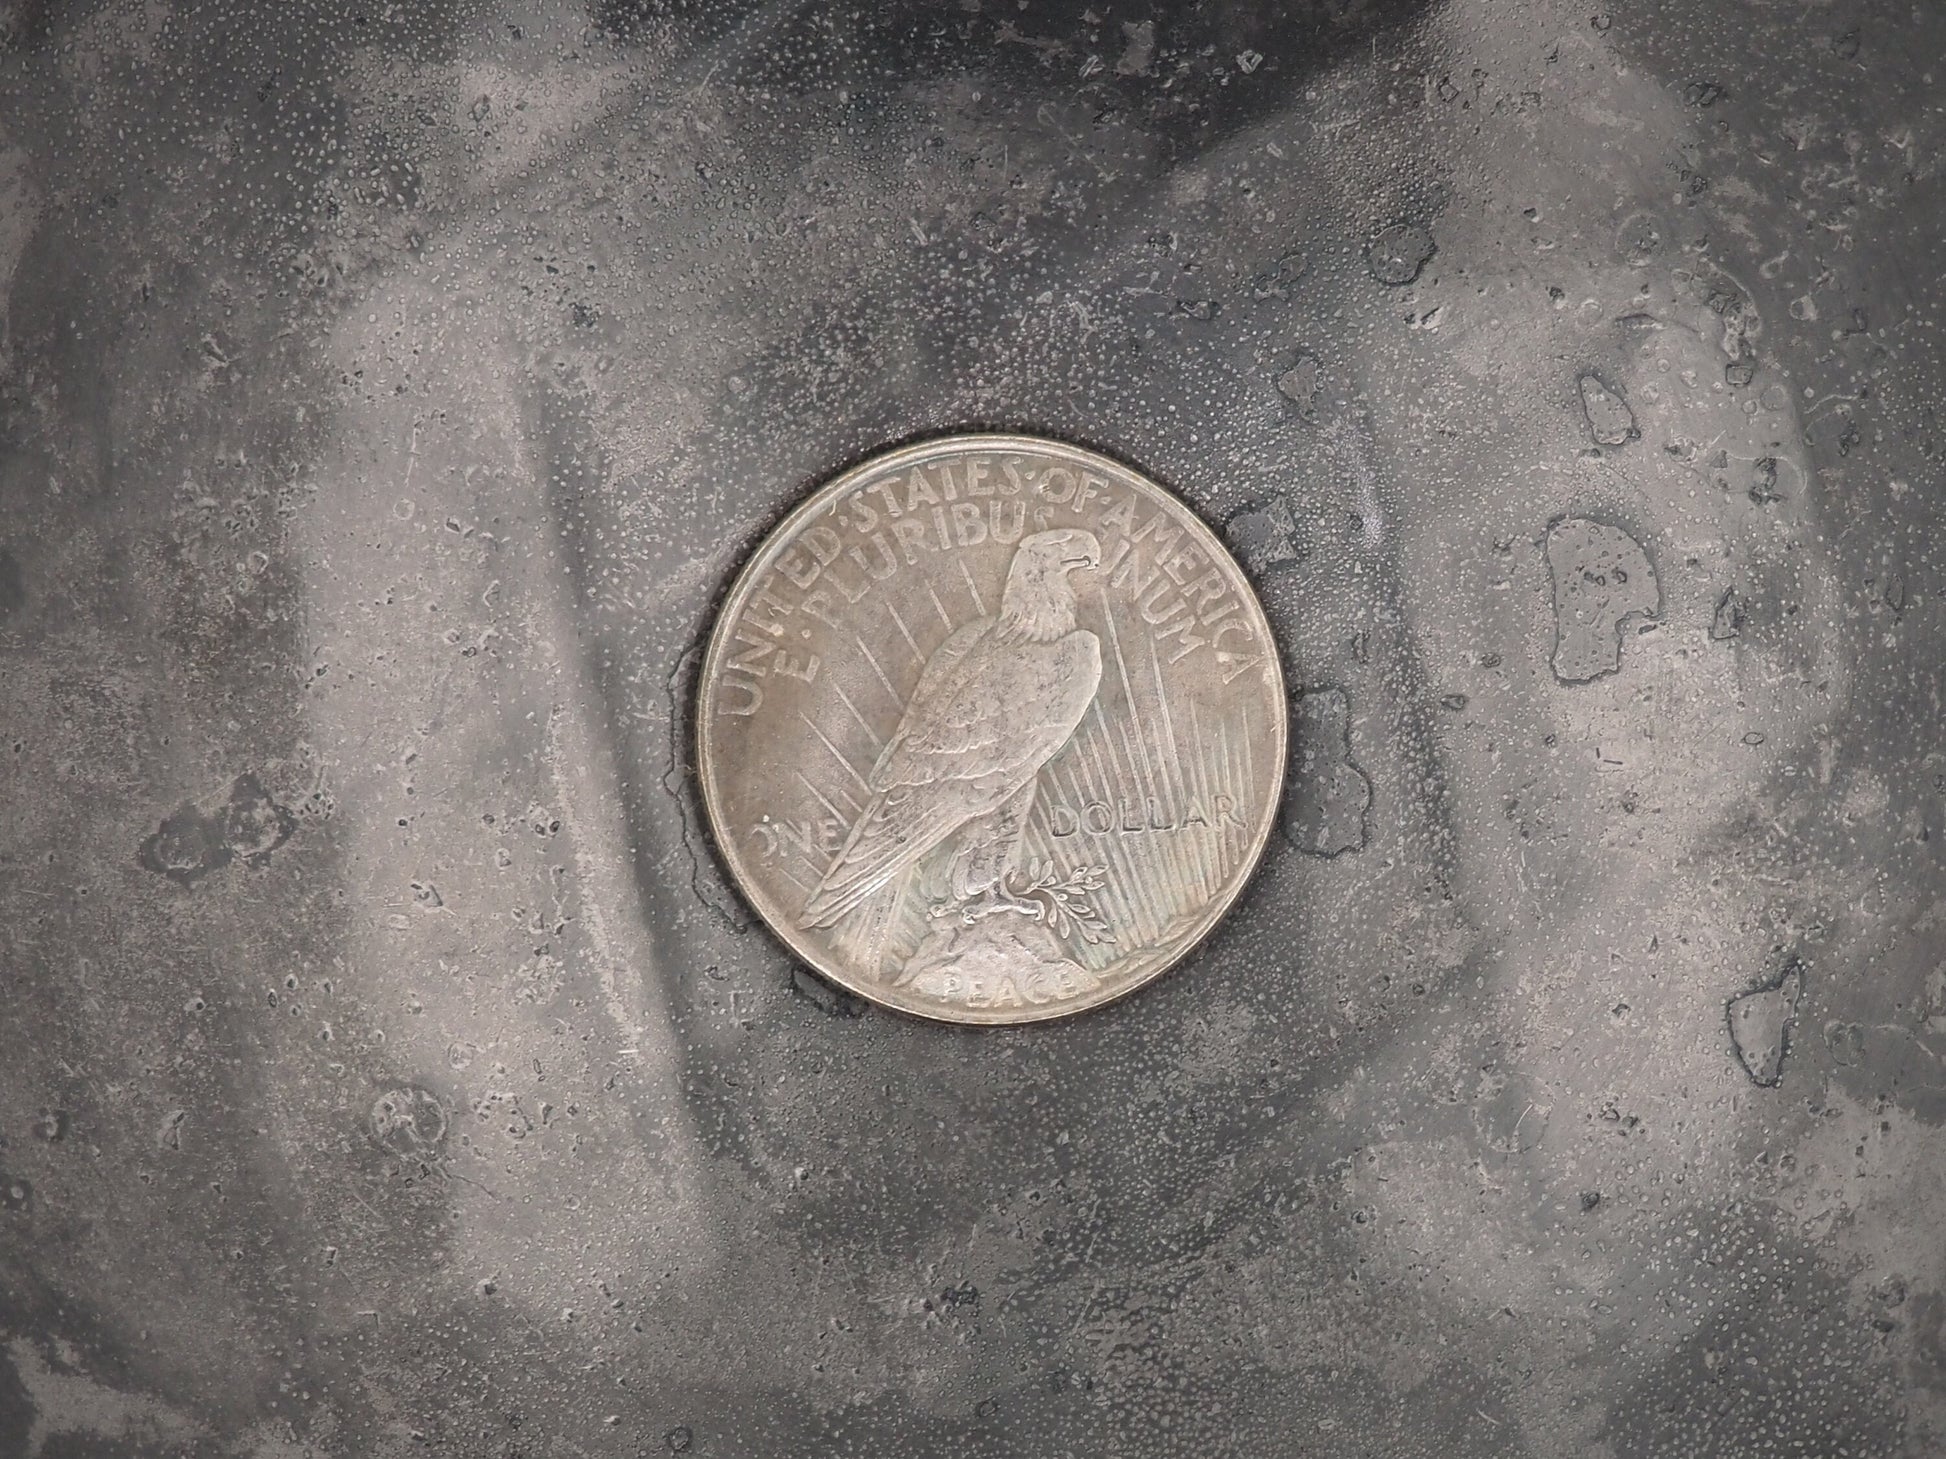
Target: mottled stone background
[(387, 391)]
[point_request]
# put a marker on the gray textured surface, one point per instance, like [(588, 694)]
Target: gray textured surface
[(386, 391)]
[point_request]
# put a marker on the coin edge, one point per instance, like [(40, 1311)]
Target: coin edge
[(784, 531)]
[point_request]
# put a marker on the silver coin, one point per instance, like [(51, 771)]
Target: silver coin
[(991, 729)]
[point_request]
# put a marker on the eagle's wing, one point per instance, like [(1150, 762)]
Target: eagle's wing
[(1003, 708), (976, 729)]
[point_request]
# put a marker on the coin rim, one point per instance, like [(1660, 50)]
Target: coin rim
[(772, 545)]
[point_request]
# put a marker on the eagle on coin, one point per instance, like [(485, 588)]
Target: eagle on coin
[(996, 701)]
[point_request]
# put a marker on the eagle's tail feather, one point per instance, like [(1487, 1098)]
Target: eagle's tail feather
[(861, 935), (889, 838)]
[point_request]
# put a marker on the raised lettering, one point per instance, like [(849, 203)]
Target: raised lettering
[(1006, 529), (750, 659), (1165, 534), (819, 605), (802, 837), (1180, 564), (1150, 602), (824, 544), (969, 524), (800, 571), (1066, 492), (911, 535), (768, 602), (805, 669), (887, 563), (844, 587), (919, 492), (1206, 589), (1179, 628), (754, 690), (1120, 516), (884, 490), (1129, 575), (1231, 665), (1249, 633)]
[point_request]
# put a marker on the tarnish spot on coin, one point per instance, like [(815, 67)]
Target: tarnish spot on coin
[(991, 729)]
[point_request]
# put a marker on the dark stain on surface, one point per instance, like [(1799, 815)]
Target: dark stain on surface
[(1602, 580), (187, 846), (1328, 798), (1761, 1021), (679, 780), (13, 585), (1266, 536), (190, 844), (254, 825)]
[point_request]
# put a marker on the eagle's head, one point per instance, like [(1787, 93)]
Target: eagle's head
[(1038, 602)]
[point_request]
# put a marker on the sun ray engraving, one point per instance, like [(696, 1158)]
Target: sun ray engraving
[(905, 632), (872, 659), (863, 723), (825, 800), (836, 753), (972, 591)]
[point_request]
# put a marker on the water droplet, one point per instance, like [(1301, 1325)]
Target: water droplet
[(1728, 620), (1610, 421), (408, 1120), (831, 998), (1846, 1042), (1300, 384), (1639, 239), (1265, 537), (1398, 253), (1327, 796), (1760, 1024), (186, 847), (1601, 578)]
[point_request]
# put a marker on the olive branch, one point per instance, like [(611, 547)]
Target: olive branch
[(1064, 898)]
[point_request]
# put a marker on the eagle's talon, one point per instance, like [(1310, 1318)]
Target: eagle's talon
[(995, 900)]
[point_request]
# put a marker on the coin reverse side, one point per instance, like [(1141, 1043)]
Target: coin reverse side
[(991, 730)]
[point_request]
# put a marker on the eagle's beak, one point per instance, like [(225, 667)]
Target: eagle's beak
[(1088, 555)]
